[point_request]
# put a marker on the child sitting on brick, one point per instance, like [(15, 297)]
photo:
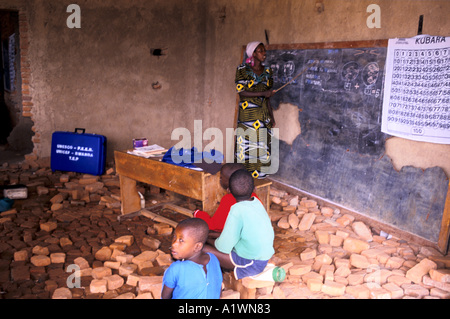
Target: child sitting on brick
[(246, 242), (217, 221), (195, 274)]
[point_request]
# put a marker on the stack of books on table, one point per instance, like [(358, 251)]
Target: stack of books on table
[(149, 151)]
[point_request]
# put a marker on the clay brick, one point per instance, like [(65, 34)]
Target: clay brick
[(101, 272), (62, 293), (58, 258), (355, 245), (48, 226), (39, 250), (164, 260), (21, 255), (415, 290), (442, 275), (345, 220), (152, 243), (322, 236), (379, 293), (336, 241), (356, 278), (81, 262), (359, 261), (112, 264), (312, 275), (152, 284), (299, 270), (94, 187), (124, 259), (98, 286), (398, 280), (338, 262), (274, 199), (40, 260), (126, 269), (103, 254), (145, 256), (333, 288), (323, 259), (133, 280), (342, 271), (116, 253), (442, 294), (283, 223), (289, 209), (293, 221), (327, 211), (395, 291), (307, 221), (64, 241), (314, 285), (362, 231), (358, 291), (309, 203), (127, 295), (436, 284), (394, 262), (308, 254), (379, 276), (416, 273), (114, 282), (58, 198)]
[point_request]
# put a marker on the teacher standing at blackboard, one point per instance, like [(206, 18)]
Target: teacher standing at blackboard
[(255, 119)]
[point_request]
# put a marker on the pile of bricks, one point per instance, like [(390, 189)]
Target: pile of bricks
[(329, 254), (66, 241)]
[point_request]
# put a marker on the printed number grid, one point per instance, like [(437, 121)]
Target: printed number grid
[(420, 89)]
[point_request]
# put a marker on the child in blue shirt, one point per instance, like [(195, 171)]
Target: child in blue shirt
[(246, 242), (195, 274)]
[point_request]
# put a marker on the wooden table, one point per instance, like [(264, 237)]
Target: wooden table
[(199, 185), (194, 184)]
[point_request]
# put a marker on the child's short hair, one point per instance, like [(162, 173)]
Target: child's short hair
[(232, 167), (241, 184), (197, 227)]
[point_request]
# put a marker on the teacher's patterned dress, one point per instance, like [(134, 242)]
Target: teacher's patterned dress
[(254, 128)]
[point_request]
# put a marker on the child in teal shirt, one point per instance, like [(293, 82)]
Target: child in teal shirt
[(246, 242)]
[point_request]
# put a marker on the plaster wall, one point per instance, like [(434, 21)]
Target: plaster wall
[(100, 76)]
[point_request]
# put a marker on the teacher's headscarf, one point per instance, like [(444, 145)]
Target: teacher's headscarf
[(251, 47)]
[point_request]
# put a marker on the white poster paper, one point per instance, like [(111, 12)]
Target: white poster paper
[(416, 102)]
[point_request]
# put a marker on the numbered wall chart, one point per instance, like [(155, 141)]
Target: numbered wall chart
[(416, 102)]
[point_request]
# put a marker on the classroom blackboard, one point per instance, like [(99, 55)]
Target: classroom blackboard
[(340, 153)]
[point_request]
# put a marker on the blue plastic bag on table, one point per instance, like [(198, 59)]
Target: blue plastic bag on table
[(191, 158)]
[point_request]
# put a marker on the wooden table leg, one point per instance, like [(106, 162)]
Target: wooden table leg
[(131, 202)]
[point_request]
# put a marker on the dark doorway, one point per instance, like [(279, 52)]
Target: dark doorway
[(15, 130)]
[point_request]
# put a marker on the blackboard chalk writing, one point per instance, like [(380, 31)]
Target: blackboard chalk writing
[(339, 153)]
